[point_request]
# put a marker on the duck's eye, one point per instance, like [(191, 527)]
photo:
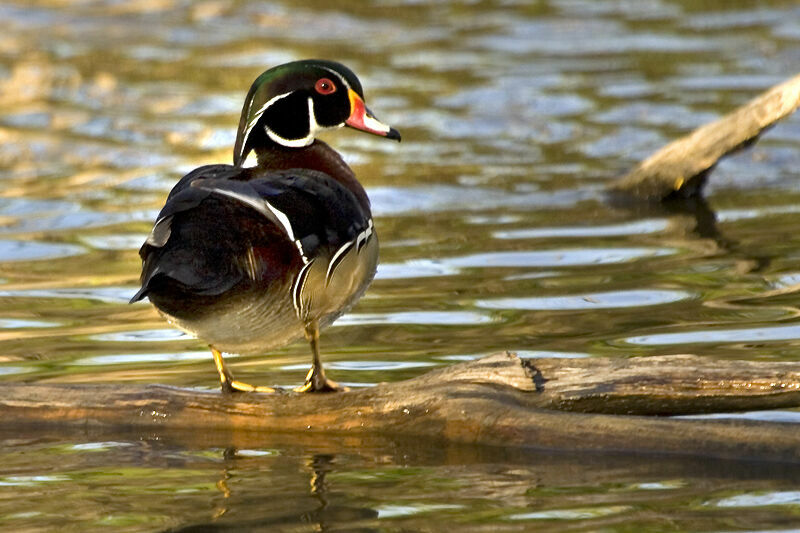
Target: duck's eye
[(325, 86)]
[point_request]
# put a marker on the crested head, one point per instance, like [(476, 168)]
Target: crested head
[(290, 104)]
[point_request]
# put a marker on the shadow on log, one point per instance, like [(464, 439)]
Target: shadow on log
[(500, 400), (681, 168)]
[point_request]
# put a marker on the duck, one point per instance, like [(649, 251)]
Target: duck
[(251, 258)]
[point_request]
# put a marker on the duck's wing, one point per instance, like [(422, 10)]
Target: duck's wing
[(218, 227), (334, 235), (178, 249)]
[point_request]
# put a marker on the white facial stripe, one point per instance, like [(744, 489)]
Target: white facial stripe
[(341, 78), (254, 120), (313, 125), (291, 143), (313, 128)]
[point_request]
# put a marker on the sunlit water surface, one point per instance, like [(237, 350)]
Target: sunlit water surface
[(494, 235)]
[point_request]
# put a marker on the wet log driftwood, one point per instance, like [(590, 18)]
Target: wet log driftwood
[(680, 168), (501, 400)]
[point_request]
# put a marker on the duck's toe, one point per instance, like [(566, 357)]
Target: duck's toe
[(315, 383), (240, 386)]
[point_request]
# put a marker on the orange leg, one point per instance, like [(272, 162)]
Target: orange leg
[(230, 385), (316, 380)]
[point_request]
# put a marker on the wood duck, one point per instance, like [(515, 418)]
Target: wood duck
[(251, 258)]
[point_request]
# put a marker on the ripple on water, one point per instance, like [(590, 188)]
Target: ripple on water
[(438, 318), (387, 201), (155, 53), (17, 323), (534, 354), (369, 366), (524, 354), (759, 499), (102, 294), (14, 207), (762, 334), (790, 417), (118, 359), (787, 280), (733, 215), (256, 59), (34, 250), (557, 257), (637, 227), (729, 82), (65, 221), (596, 300), (146, 335), (414, 268), (29, 481), (393, 511), (552, 38), (655, 114), (131, 241), (99, 446), (582, 513), (11, 370)]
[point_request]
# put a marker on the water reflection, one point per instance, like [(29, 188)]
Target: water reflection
[(242, 481), (118, 359), (562, 257), (431, 318), (723, 336), (388, 201), (34, 251), (598, 300), (637, 227), (98, 294), (760, 499)]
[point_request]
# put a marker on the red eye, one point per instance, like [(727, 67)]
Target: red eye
[(324, 86)]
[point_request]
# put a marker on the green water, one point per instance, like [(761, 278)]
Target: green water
[(494, 235)]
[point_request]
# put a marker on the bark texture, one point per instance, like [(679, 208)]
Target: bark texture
[(500, 400)]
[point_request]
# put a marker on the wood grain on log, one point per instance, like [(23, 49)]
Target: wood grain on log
[(680, 168), (497, 400)]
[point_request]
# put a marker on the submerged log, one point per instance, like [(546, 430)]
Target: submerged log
[(576, 404), (681, 167)]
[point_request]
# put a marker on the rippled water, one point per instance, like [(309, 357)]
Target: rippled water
[(494, 232)]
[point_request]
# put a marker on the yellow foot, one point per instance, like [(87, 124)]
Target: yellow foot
[(314, 384), (230, 385), (239, 386)]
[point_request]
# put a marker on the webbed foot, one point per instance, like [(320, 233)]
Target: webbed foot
[(317, 382)]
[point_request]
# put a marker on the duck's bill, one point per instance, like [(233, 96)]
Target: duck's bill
[(361, 118)]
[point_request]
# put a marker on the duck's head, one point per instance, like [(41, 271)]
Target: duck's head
[(291, 103)]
